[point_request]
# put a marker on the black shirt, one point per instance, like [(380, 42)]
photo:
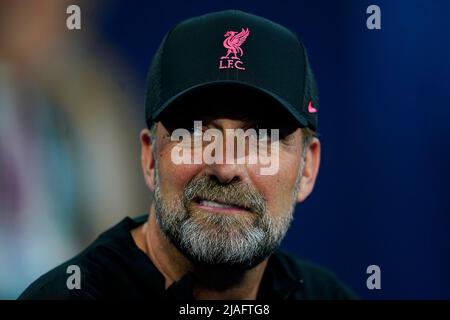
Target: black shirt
[(113, 267)]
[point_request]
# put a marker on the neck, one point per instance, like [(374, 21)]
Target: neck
[(227, 283), (211, 283)]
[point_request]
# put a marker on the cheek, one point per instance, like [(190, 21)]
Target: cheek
[(277, 189), (173, 177)]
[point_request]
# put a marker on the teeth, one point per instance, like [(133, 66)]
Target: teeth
[(215, 204)]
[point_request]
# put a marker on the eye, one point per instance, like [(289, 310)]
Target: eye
[(262, 134), (196, 131), (263, 131)]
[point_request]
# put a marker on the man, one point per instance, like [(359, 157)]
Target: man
[(217, 218)]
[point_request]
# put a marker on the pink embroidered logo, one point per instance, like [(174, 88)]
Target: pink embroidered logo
[(233, 41), (311, 109)]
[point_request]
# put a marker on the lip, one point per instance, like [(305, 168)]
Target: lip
[(218, 207)]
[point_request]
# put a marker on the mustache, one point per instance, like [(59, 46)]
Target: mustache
[(237, 194)]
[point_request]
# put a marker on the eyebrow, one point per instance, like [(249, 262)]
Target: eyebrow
[(213, 122)]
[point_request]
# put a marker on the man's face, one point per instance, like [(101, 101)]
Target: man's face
[(226, 214)]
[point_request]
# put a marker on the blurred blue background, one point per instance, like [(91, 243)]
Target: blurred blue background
[(383, 192)]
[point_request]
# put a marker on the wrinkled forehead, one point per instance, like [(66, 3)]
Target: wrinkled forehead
[(225, 102)]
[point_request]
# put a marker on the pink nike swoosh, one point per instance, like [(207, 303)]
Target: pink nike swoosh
[(311, 109)]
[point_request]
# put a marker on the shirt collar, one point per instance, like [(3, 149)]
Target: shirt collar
[(278, 282)]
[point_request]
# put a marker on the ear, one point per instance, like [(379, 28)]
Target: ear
[(310, 170), (147, 159)]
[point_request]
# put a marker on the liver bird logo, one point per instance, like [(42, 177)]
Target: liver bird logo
[(233, 43)]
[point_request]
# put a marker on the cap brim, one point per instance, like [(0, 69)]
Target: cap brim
[(214, 84)]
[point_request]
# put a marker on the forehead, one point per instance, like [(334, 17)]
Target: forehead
[(230, 102)]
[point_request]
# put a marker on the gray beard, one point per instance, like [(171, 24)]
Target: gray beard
[(230, 241)]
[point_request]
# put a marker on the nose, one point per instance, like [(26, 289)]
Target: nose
[(226, 173), (229, 168)]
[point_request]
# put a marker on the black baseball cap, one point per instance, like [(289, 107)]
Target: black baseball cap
[(233, 48)]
